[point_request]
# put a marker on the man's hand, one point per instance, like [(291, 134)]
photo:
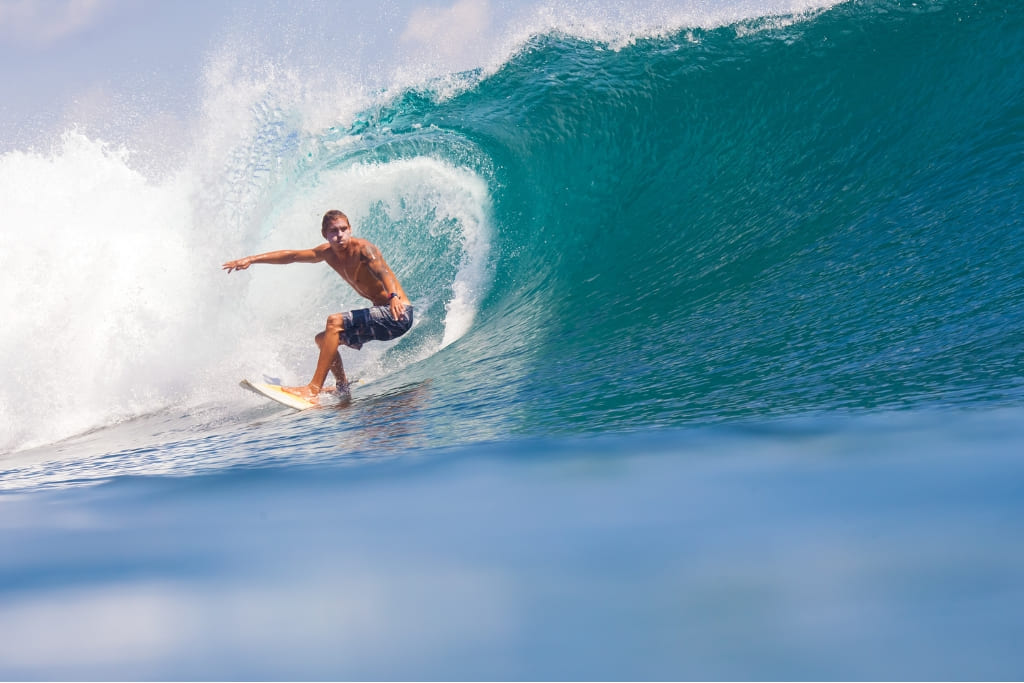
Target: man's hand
[(397, 307), (239, 264)]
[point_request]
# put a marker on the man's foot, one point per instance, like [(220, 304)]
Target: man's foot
[(308, 392)]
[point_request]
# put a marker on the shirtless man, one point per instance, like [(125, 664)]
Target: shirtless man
[(361, 265)]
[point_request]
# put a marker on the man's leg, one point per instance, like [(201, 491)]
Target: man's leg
[(336, 367), (328, 356)]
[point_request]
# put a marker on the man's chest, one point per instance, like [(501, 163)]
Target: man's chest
[(349, 266)]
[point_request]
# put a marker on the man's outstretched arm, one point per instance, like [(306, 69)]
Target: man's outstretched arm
[(284, 256)]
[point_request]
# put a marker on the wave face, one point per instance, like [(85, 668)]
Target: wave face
[(766, 218), (781, 216)]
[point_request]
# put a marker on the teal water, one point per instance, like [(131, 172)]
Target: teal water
[(719, 373), (824, 216)]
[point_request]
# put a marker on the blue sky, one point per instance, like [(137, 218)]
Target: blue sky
[(74, 62)]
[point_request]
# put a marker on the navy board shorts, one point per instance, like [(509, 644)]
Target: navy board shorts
[(373, 324)]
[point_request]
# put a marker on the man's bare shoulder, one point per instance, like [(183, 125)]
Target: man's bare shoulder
[(367, 250), (324, 253)]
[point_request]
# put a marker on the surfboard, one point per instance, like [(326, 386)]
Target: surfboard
[(275, 393)]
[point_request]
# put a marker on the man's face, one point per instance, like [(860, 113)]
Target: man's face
[(338, 232)]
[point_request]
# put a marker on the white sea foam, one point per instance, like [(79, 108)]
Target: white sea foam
[(96, 284), (452, 66), (112, 294)]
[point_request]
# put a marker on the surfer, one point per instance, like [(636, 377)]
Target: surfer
[(360, 264)]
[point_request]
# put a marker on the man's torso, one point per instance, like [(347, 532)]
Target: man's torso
[(352, 266)]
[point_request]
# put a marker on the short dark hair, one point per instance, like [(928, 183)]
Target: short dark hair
[(329, 218)]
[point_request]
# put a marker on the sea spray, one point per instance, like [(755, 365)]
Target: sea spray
[(97, 294), (114, 300)]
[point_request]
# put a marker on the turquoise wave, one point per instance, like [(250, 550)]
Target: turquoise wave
[(788, 215)]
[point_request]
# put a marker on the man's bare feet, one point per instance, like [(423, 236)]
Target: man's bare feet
[(308, 392)]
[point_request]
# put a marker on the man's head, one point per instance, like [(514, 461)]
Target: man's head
[(330, 216), (336, 228)]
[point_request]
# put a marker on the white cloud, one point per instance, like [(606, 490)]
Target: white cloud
[(449, 32), (43, 22)]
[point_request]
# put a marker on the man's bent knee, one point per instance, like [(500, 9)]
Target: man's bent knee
[(335, 323)]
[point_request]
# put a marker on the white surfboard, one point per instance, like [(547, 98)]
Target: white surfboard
[(275, 393)]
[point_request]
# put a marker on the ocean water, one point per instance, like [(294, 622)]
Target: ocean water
[(718, 370)]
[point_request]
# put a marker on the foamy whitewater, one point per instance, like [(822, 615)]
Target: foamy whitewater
[(124, 302), (717, 369)]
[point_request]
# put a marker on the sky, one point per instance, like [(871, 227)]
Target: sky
[(107, 64)]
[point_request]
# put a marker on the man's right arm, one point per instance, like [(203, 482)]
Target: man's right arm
[(284, 256)]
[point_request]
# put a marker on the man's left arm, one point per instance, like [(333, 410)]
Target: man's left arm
[(375, 263)]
